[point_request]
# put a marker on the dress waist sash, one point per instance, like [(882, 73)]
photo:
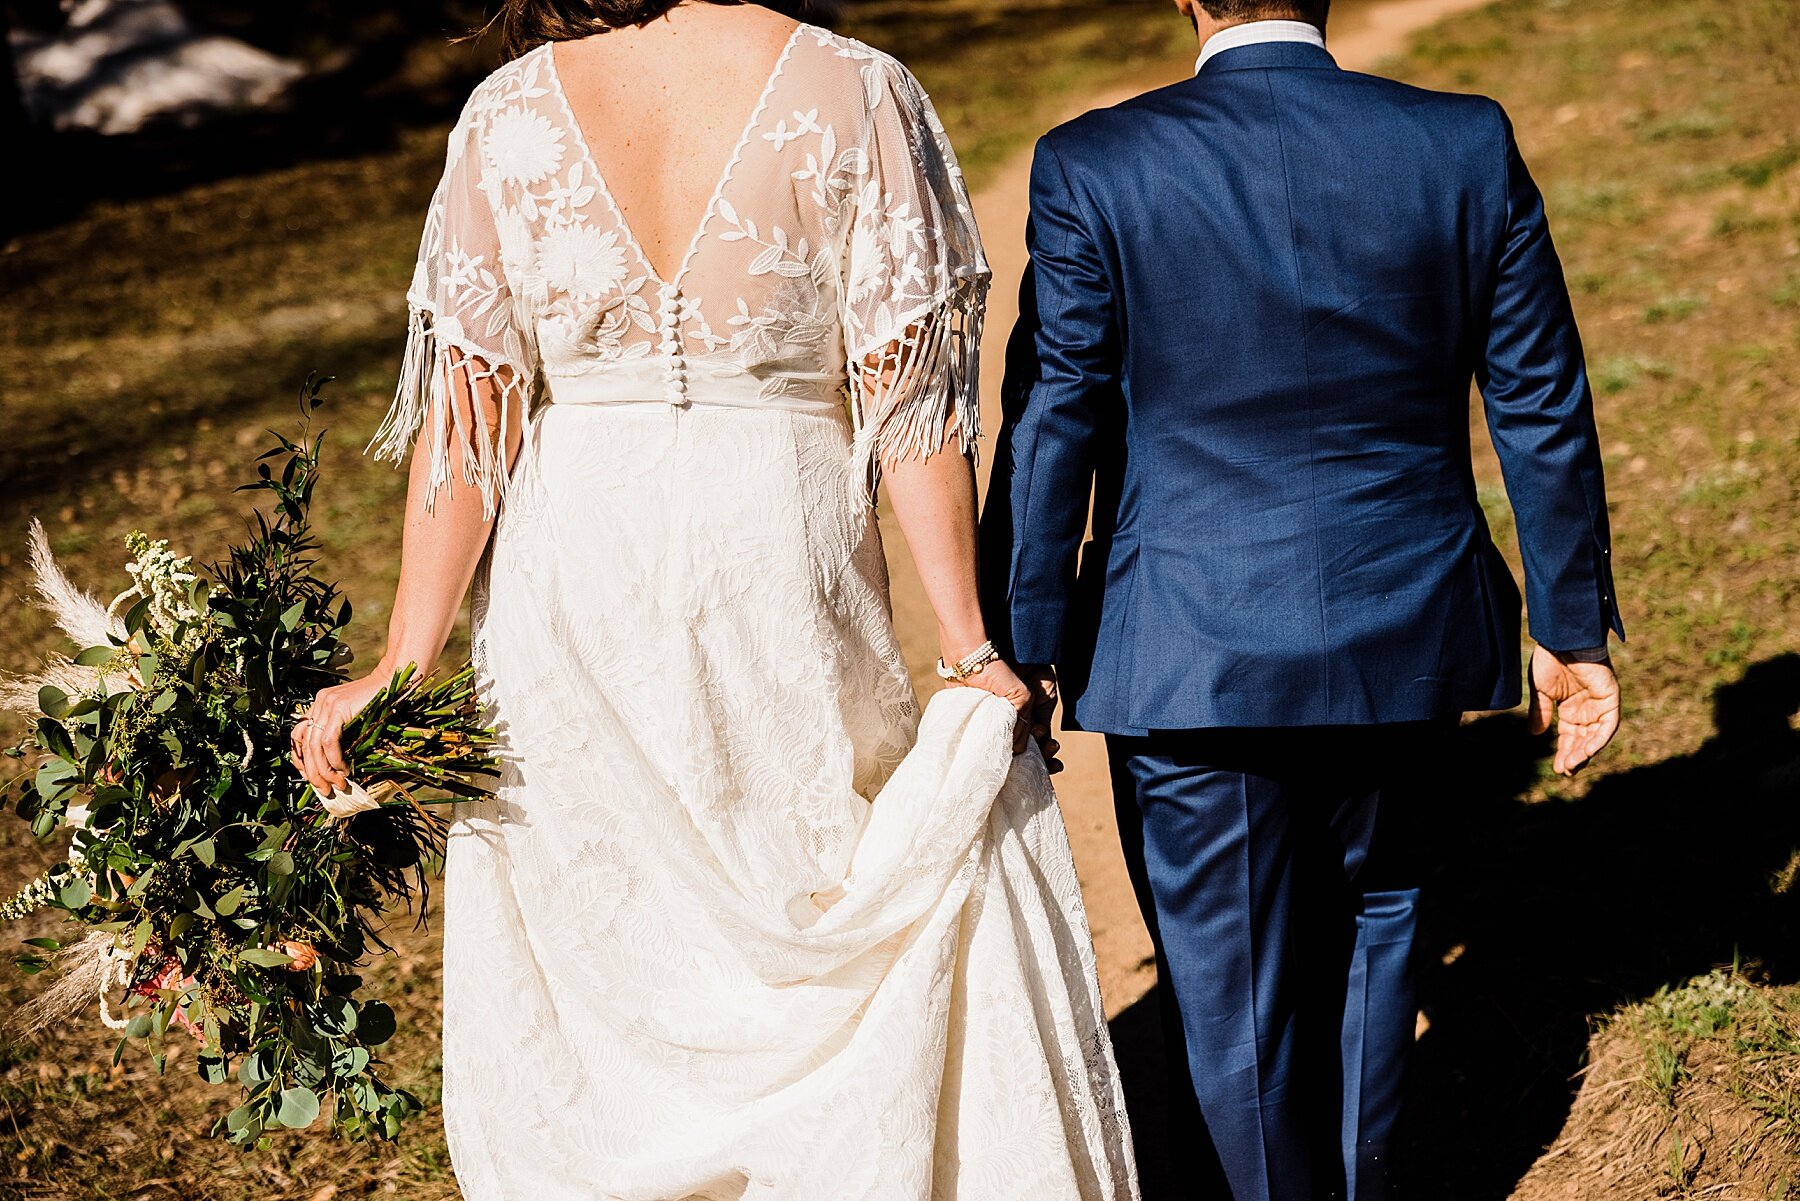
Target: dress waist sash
[(658, 381)]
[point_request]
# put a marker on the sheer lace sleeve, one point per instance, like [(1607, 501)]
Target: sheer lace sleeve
[(915, 287), (465, 328)]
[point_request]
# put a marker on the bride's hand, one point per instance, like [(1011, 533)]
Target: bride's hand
[(1000, 679), (317, 748)]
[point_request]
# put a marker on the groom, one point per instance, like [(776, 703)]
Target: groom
[(1257, 301)]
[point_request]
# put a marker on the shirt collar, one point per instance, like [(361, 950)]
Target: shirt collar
[(1253, 33)]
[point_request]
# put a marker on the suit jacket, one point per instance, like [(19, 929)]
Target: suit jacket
[(1256, 304)]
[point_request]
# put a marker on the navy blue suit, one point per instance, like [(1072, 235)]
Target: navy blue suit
[(1257, 302)]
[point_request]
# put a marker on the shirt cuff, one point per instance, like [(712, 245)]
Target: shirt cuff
[(1597, 654)]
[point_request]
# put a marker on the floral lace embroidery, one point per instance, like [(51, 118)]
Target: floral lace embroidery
[(838, 256)]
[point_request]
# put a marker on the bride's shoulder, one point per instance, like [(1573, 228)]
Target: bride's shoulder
[(518, 82), (882, 76), (852, 58)]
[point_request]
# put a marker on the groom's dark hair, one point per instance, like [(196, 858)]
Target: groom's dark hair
[(1314, 11)]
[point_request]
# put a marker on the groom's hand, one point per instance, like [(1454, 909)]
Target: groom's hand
[(1583, 701), (1041, 679)]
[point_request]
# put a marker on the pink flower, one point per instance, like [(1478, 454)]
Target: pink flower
[(169, 976)]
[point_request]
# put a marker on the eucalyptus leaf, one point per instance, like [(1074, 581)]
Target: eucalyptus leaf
[(265, 957), (254, 1070), (336, 1015), (375, 1024), (53, 738), (75, 893), (299, 1108), (350, 1061), (54, 777)]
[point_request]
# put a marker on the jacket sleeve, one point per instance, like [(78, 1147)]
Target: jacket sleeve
[(1540, 411), (1062, 378)]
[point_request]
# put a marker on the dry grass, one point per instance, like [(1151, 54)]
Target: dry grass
[(1694, 1093)]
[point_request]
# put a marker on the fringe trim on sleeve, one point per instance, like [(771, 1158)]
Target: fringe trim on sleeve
[(908, 396), (425, 411)]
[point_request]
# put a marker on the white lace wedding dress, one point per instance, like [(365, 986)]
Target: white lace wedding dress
[(738, 924)]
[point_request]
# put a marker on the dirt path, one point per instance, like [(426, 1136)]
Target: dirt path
[(1362, 35)]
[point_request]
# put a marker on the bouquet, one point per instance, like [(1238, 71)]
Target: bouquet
[(211, 894)]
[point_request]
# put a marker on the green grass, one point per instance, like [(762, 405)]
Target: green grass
[(1722, 1011), (1668, 309)]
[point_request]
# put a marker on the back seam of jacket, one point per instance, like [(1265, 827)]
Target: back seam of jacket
[(1312, 463)]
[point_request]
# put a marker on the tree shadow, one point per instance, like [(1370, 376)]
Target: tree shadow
[(375, 71), (1541, 916), (353, 109)]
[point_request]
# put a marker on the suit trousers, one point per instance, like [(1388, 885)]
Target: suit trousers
[(1278, 871)]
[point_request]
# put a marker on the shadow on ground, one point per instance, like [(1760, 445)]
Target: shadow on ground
[(1543, 915)]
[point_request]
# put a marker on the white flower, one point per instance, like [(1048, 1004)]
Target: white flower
[(513, 233), (868, 261), (580, 260), (162, 578), (522, 146), (781, 135)]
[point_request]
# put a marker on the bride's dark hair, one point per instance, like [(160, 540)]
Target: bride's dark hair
[(523, 24)]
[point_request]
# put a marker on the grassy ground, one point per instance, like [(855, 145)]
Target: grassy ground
[(1691, 1093), (151, 340), (1662, 132)]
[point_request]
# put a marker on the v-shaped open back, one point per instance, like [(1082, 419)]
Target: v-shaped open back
[(836, 258), (627, 229)]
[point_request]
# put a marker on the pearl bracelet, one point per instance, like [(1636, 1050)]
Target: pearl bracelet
[(969, 664)]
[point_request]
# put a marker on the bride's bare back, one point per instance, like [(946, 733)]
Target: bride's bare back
[(662, 108)]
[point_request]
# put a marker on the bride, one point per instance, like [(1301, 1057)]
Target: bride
[(738, 922)]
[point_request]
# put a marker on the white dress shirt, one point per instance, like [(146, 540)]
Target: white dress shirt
[(1251, 33)]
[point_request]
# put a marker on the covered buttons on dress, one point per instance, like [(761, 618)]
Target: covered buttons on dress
[(672, 311)]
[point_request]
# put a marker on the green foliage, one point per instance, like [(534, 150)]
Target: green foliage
[(1759, 172), (1787, 292), (241, 904), (1618, 372)]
